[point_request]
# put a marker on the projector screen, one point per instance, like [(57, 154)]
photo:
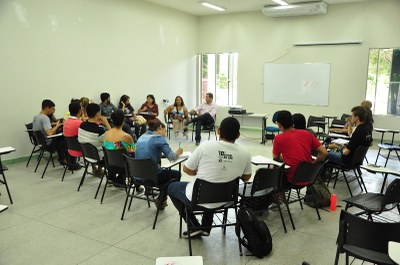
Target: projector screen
[(297, 84)]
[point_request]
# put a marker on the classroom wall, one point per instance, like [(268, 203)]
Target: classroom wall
[(259, 39), (68, 49)]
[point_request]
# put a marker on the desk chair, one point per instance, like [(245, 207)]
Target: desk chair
[(144, 172), (305, 172), (4, 180), (44, 147), (270, 131), (114, 163), (168, 124), (90, 156), (36, 146), (390, 148), (205, 128), (336, 123), (365, 240), (72, 144), (266, 184), (376, 203), (355, 163), (319, 123), (211, 197)]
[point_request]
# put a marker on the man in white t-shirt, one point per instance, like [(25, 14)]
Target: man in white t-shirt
[(220, 161)]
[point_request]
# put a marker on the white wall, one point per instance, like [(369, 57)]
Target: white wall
[(63, 49), (259, 39)]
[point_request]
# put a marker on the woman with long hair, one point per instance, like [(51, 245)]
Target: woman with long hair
[(116, 139), (178, 113), (131, 118), (152, 145), (149, 109)]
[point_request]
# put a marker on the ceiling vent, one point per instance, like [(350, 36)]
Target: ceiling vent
[(303, 9)]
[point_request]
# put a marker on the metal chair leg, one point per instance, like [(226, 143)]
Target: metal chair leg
[(8, 191)]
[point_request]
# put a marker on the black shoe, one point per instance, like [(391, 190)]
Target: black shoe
[(161, 205), (197, 143), (194, 233), (75, 167), (63, 162)]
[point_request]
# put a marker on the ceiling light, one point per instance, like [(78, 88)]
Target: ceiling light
[(281, 2), (209, 5)]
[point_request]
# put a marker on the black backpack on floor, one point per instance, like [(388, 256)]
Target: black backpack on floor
[(256, 235), (320, 191)]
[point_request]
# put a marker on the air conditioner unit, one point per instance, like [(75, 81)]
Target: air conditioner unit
[(304, 9)]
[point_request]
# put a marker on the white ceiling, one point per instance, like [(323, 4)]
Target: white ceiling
[(232, 6)]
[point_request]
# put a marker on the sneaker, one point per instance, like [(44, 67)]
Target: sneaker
[(194, 233), (205, 233), (197, 143), (139, 189), (98, 173)]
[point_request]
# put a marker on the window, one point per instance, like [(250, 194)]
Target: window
[(218, 75), (383, 84)]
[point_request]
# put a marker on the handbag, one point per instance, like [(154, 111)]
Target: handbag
[(140, 120)]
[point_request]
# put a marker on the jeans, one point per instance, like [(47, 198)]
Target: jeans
[(199, 121), (177, 193), (335, 157), (164, 177)]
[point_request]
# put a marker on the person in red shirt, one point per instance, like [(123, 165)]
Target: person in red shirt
[(70, 129), (294, 146)]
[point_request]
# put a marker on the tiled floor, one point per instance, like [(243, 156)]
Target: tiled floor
[(51, 223)]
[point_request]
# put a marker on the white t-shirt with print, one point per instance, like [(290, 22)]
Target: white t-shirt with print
[(218, 162)]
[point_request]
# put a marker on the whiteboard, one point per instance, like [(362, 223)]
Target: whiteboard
[(302, 84)]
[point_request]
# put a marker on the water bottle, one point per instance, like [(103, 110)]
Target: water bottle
[(333, 202)]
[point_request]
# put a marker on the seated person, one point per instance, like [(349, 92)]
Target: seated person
[(362, 135), (106, 107), (84, 101), (347, 128), (205, 115), (206, 162), (369, 119), (299, 123), (294, 146), (178, 113), (150, 108), (90, 131), (132, 121), (116, 139), (152, 145), (41, 122), (70, 129)]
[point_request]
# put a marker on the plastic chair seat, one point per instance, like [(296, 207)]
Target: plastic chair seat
[(272, 129), (367, 201), (368, 255), (389, 147)]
